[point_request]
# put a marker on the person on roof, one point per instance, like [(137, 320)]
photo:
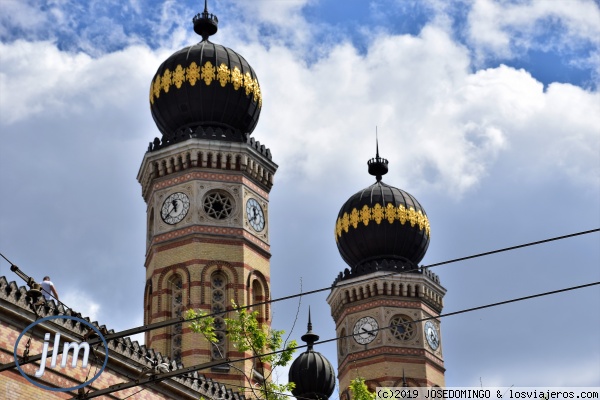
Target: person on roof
[(48, 289)]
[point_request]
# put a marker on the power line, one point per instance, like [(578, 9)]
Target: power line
[(487, 253), (173, 374), (162, 324), (342, 284)]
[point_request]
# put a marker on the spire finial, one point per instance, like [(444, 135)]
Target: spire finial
[(205, 24), (309, 337), (377, 166), (376, 143)]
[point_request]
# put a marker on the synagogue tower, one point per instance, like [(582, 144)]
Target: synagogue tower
[(206, 184)]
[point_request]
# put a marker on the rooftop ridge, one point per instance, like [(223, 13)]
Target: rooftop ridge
[(16, 295)]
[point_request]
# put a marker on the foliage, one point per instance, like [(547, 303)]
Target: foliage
[(248, 335), (200, 322), (360, 391)]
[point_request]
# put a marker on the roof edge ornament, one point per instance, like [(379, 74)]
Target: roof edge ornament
[(205, 24), (378, 166)]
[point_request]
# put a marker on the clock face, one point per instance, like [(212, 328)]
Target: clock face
[(255, 215), (365, 330), (432, 336), (175, 208)]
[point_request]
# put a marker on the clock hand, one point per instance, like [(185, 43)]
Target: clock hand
[(254, 214), (174, 204), (432, 337), (366, 331)]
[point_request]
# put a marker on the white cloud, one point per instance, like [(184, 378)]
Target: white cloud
[(497, 29), (440, 124), (433, 113), (36, 77), (21, 16), (81, 303)]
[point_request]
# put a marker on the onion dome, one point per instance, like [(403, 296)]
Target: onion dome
[(311, 372), (381, 227), (205, 90)]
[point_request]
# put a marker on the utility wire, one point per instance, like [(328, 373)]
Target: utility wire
[(342, 284), (173, 374), (162, 324)]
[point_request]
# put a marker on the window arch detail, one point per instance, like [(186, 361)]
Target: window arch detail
[(175, 301), (219, 284), (258, 292)]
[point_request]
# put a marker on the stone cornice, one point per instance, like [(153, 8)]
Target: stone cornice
[(383, 286), (208, 155)]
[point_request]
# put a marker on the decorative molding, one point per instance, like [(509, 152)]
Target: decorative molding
[(379, 214), (193, 74), (212, 230)]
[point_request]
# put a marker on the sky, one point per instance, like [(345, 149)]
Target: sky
[(488, 112)]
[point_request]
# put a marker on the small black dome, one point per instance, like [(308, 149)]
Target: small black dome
[(381, 227), (205, 90), (312, 373)]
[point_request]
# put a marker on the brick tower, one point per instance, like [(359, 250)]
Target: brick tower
[(385, 308), (206, 184)]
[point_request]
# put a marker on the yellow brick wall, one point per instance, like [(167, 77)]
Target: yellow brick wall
[(194, 260), (13, 386)]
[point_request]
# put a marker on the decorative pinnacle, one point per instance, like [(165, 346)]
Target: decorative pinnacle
[(205, 24), (377, 166), (309, 337)]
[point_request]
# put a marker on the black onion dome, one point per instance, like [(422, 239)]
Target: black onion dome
[(205, 90), (312, 373), (381, 227)]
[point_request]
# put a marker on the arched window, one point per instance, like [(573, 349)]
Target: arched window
[(148, 302), (150, 226), (175, 302), (342, 342), (219, 300), (258, 295)]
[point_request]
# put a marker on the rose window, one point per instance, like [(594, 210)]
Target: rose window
[(218, 205), (402, 327)]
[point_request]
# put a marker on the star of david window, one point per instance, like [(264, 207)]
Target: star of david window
[(218, 205), (402, 327)]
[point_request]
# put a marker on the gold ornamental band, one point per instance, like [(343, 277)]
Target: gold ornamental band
[(379, 214), (209, 74)]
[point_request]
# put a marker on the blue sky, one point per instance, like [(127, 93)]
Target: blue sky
[(488, 111)]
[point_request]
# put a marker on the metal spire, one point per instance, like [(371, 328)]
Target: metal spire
[(377, 166), (376, 143), (309, 337)]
